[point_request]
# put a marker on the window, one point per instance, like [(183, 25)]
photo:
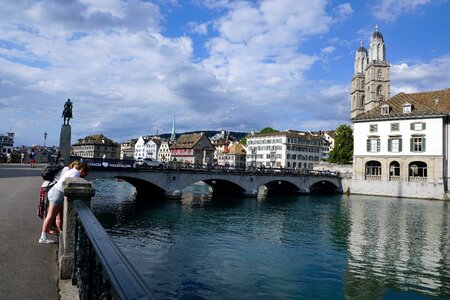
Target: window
[(373, 145), (395, 144), (407, 107), (417, 171), (380, 74), (394, 169), (418, 126), (373, 127), (385, 110), (373, 169), (418, 144), (395, 126)]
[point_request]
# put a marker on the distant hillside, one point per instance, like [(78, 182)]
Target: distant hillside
[(209, 133)]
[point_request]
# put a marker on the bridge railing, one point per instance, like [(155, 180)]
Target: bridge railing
[(110, 164), (89, 257)]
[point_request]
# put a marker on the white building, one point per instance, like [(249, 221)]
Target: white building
[(401, 148), (401, 144), (6, 143), (164, 151), (285, 149), (139, 147), (127, 149)]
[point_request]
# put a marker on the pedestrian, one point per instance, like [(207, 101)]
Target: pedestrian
[(43, 199), (8, 158), (22, 158), (56, 201), (32, 158)]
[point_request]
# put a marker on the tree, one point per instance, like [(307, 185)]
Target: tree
[(243, 141), (342, 152), (268, 130)]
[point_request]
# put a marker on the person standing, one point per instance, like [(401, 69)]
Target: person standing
[(56, 201), (32, 158), (22, 158)]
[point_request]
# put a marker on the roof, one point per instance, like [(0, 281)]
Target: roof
[(188, 141), (424, 104), (288, 133), (96, 139), (236, 148)]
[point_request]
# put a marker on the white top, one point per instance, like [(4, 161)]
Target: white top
[(57, 176), (70, 173)]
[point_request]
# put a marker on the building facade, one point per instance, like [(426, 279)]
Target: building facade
[(127, 149), (402, 146), (284, 149), (6, 144), (96, 146), (193, 149)]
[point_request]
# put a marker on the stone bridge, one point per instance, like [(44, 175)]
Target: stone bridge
[(172, 182)]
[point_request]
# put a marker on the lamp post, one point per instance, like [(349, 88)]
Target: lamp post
[(45, 138)]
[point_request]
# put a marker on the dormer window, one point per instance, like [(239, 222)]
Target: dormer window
[(407, 108), (385, 110)]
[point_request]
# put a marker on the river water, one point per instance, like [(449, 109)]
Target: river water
[(280, 247)]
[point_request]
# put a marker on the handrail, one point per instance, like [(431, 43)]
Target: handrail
[(124, 281)]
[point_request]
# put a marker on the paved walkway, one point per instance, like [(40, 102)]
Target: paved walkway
[(28, 270)]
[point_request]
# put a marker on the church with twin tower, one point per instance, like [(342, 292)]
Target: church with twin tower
[(371, 81)]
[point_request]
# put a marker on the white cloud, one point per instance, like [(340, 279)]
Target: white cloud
[(389, 10), (425, 76)]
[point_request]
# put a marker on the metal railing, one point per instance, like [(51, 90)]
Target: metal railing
[(101, 271)]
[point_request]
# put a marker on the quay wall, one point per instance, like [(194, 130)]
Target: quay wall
[(423, 190)]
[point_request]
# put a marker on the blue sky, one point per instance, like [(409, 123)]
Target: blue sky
[(130, 66)]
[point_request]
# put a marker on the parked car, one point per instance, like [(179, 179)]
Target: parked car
[(148, 162)]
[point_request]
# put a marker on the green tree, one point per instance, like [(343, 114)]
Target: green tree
[(243, 141), (342, 152), (268, 130)]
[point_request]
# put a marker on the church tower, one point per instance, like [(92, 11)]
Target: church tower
[(357, 91), (371, 81)]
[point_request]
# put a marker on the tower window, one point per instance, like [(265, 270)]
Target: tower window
[(380, 74)]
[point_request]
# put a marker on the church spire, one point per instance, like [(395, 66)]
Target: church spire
[(173, 135)]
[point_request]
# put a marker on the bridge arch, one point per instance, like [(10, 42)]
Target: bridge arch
[(282, 186), (323, 186)]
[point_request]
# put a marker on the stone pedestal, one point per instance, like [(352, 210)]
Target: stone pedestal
[(74, 189), (64, 143)]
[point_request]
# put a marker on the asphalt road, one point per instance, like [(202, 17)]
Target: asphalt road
[(28, 270)]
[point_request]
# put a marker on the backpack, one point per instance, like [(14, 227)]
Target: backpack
[(49, 172)]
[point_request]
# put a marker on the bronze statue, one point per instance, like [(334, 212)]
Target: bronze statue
[(67, 112)]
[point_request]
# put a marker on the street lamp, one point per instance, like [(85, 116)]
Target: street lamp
[(45, 138)]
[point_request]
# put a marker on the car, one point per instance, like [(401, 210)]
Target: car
[(148, 162)]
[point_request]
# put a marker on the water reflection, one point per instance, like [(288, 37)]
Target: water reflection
[(300, 247)]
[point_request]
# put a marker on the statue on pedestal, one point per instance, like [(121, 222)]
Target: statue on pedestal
[(67, 112)]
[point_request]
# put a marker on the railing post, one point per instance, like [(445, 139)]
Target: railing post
[(74, 189)]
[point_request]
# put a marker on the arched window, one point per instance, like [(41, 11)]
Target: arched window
[(394, 171), (379, 90), (417, 171), (373, 170), (362, 102)]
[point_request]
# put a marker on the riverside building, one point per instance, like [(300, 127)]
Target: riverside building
[(401, 144), (284, 149), (96, 146)]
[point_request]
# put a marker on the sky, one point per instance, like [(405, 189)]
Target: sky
[(130, 66)]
